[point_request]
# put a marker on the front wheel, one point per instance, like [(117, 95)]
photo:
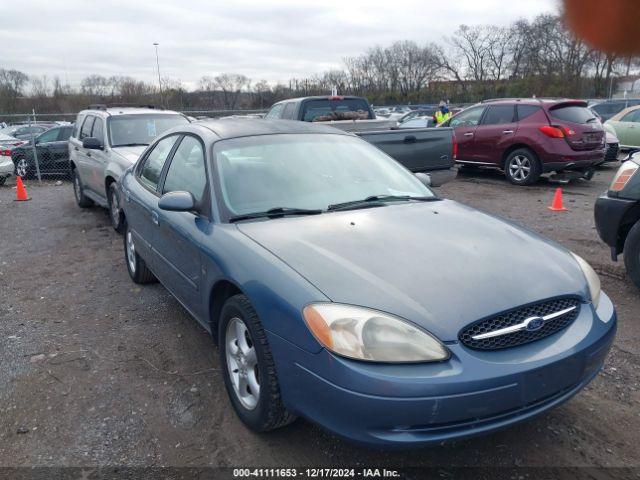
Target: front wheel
[(115, 213), (78, 191), (632, 254), (248, 368), (522, 167)]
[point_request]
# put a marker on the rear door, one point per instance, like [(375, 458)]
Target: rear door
[(495, 133), (464, 125), (83, 160), (98, 159), (179, 234)]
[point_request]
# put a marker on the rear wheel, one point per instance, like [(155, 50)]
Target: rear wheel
[(2, 180), (81, 199), (632, 254), (248, 368), (522, 167), (115, 214), (136, 267)]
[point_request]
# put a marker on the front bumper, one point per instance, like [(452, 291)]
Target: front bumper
[(6, 166), (610, 213), (472, 393)]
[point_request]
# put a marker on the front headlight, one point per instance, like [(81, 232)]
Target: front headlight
[(592, 279), (366, 334)]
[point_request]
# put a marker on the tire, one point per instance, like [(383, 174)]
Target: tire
[(522, 167), (260, 410), (632, 254), (115, 214), (22, 168), (78, 191), (138, 270), (2, 180)]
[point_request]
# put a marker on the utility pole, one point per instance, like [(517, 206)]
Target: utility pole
[(156, 44)]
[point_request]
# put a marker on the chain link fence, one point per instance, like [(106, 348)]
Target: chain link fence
[(35, 146)]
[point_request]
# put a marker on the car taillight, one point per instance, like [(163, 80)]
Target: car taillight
[(455, 147), (623, 176), (551, 131), (5, 152)]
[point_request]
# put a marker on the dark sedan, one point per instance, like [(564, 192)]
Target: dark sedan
[(52, 151), (340, 288)]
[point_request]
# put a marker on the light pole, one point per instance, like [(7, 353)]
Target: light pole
[(156, 44)]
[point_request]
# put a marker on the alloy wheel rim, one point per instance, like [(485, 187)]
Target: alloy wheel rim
[(115, 210), (131, 252), (21, 168), (242, 363), (519, 167)]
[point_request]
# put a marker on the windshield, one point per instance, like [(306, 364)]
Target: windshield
[(255, 174), (322, 110), (128, 130)]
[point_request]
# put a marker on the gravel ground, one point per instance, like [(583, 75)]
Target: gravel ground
[(97, 371)]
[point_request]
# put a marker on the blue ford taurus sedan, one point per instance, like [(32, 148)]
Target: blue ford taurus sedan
[(340, 288)]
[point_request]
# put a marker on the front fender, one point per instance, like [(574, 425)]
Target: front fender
[(277, 292)]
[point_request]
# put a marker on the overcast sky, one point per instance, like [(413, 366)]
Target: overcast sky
[(263, 39)]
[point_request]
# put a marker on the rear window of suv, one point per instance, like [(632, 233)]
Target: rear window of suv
[(572, 113)]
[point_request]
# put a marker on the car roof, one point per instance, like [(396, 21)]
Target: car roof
[(113, 111), (624, 111), (244, 127), (547, 102)]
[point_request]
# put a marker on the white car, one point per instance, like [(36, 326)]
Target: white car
[(6, 168), (104, 143)]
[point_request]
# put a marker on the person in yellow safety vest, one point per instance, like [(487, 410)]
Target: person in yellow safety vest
[(442, 114)]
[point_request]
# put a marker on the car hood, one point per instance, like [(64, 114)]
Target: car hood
[(441, 265), (130, 154)]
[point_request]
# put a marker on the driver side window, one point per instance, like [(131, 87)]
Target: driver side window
[(467, 118)]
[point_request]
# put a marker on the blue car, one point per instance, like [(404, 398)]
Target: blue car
[(340, 288)]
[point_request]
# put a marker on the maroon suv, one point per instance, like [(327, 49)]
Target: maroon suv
[(528, 137)]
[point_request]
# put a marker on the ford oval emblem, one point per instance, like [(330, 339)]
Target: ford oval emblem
[(534, 323)]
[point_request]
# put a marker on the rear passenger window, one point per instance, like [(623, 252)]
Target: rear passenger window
[(498, 114), (275, 111), (87, 127), (186, 172), (98, 129), (287, 113), (153, 164), (525, 111)]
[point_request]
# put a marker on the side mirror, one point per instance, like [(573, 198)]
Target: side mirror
[(177, 202), (92, 143), (425, 178)]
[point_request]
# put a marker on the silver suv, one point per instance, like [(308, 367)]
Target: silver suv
[(104, 143)]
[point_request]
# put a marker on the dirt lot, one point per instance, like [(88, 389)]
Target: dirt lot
[(98, 371)]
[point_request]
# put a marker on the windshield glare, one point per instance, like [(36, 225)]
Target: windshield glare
[(256, 174), (140, 129)]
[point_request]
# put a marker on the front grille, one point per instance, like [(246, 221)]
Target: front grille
[(611, 153), (517, 316)]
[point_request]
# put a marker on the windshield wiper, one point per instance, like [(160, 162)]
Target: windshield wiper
[(377, 201), (132, 145), (275, 213), (592, 119)]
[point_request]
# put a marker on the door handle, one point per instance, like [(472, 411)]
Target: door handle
[(154, 218), (76, 148), (88, 154), (410, 139), (468, 134), (507, 131)]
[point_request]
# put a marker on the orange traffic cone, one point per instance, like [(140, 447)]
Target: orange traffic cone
[(557, 205), (21, 192)]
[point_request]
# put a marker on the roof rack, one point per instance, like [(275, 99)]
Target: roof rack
[(104, 106)]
